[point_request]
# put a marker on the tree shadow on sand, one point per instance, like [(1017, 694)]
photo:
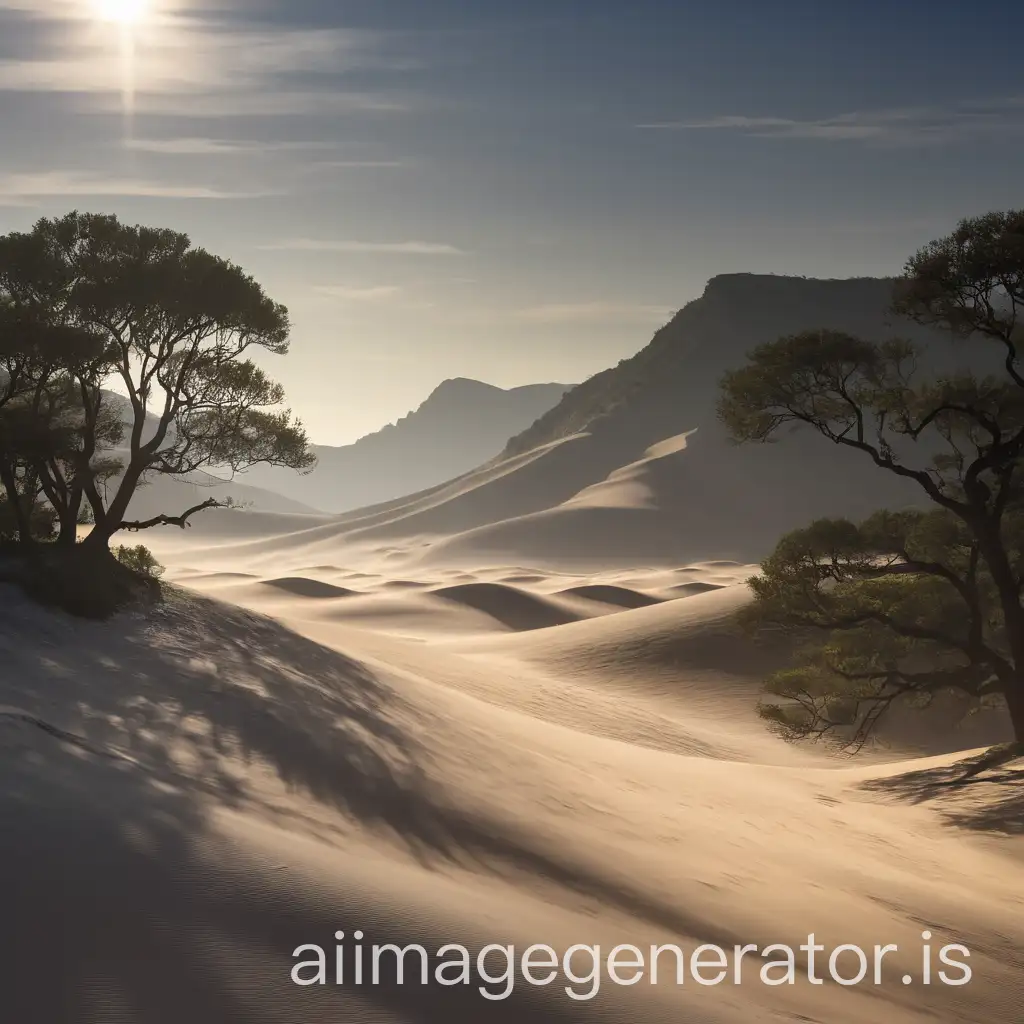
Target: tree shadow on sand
[(118, 910), (113, 739), (195, 683), (966, 794)]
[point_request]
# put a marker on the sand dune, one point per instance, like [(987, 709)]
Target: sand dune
[(302, 586), (289, 790), (214, 577), (451, 757), (621, 597), (517, 609), (688, 589), (581, 504)]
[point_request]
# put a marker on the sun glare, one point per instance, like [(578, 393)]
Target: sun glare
[(123, 12), (128, 17)]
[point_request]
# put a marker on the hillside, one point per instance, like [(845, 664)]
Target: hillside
[(633, 464), (461, 424), (672, 383)]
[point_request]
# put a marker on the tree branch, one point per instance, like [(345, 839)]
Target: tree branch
[(179, 521), (884, 460), (972, 647)]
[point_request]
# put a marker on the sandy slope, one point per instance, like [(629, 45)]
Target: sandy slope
[(576, 504), (510, 755)]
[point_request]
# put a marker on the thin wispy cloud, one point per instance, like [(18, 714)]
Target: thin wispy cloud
[(343, 165), (220, 147), (268, 102), (909, 126), (411, 248), (593, 312), (25, 189)]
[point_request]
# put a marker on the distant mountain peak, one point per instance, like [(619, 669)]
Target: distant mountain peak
[(467, 388), (461, 386), (460, 424), (458, 400)]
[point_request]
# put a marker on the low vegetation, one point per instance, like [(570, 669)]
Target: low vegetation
[(139, 559)]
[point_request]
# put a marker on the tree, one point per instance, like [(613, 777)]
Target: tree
[(913, 603), (174, 329), (39, 412)]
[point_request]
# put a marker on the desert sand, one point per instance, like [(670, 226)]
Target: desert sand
[(331, 726)]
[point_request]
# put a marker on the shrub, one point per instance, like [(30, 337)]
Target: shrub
[(139, 559)]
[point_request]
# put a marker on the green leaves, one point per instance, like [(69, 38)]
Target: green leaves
[(806, 378), (896, 606), (86, 301), (139, 559), (239, 437), (972, 281)]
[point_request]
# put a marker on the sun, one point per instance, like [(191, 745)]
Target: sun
[(124, 12)]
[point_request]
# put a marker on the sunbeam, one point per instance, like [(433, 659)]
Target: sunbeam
[(126, 16), (124, 12)]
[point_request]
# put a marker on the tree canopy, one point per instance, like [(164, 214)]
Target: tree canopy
[(916, 602), (88, 304)]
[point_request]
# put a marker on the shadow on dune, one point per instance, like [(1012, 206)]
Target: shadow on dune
[(129, 908), (301, 586), (996, 798), (208, 681), (120, 915), (621, 597), (690, 589), (513, 608)]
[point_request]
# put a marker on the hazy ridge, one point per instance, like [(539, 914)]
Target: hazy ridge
[(459, 425)]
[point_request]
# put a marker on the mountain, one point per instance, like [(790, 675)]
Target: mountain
[(632, 465), (673, 381), (460, 425)]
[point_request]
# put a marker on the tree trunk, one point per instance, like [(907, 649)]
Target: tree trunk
[(1004, 576), (22, 519), (98, 538), (1015, 702), (68, 535), (110, 522)]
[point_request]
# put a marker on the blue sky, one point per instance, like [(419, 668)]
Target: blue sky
[(510, 191)]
